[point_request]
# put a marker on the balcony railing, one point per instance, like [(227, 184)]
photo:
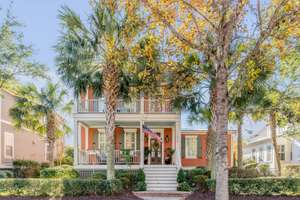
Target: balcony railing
[(98, 105), (159, 106), (150, 106), (98, 157)]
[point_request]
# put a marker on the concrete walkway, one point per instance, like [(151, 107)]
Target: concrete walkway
[(162, 195)]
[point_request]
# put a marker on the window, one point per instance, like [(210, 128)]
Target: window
[(254, 154), (8, 145), (130, 140), (269, 153), (281, 152), (102, 140), (261, 154), (191, 147)]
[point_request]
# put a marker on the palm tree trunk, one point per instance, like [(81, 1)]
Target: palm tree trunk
[(111, 89), (240, 144), (273, 126), (211, 137), (50, 137), (220, 121)]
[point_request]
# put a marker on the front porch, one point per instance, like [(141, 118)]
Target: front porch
[(133, 149)]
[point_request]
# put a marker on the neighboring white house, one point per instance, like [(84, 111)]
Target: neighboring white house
[(259, 147)]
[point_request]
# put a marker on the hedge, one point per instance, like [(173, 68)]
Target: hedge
[(131, 179), (26, 168), (262, 186), (194, 179), (64, 171), (59, 187)]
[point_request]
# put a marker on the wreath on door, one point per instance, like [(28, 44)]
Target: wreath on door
[(156, 145)]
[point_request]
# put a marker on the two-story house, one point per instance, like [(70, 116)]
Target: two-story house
[(160, 154), (259, 147), (20, 143)]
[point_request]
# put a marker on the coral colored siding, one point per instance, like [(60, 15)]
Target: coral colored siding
[(91, 136), (83, 138), (167, 132), (202, 162), (91, 97), (118, 142)]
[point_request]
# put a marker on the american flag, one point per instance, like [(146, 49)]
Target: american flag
[(149, 132)]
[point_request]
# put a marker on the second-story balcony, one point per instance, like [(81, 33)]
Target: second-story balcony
[(134, 106)]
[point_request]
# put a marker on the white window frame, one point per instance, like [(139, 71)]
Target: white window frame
[(261, 156), (101, 141), (7, 134), (46, 150), (269, 151), (281, 151), (126, 131), (254, 154), (190, 137)]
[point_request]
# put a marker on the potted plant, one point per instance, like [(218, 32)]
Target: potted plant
[(169, 155)]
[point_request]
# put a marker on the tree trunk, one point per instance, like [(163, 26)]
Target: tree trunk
[(273, 126), (211, 139), (50, 134), (240, 144), (220, 121), (111, 89)]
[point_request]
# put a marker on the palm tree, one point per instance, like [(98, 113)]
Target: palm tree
[(100, 56), (38, 110)]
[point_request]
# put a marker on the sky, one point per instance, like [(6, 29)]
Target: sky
[(41, 30)]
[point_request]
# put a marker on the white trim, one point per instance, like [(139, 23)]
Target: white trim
[(76, 147), (194, 137), (12, 144), (134, 135), (142, 144), (86, 137)]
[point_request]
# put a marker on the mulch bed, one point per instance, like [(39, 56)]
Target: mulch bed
[(127, 196), (211, 196)]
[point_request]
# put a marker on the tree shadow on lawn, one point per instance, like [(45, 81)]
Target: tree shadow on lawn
[(126, 196), (211, 196)]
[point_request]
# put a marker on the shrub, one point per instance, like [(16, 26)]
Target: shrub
[(59, 187), (64, 171), (181, 176), (184, 186), (234, 172), (264, 169), (26, 168), (200, 183), (98, 175), (6, 174), (262, 186), (140, 186), (292, 170), (195, 178), (131, 179), (45, 165)]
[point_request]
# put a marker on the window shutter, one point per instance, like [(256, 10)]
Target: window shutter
[(138, 135), (199, 147), (122, 140), (182, 146), (96, 139)]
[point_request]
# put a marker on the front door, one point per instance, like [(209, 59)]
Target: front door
[(156, 149)]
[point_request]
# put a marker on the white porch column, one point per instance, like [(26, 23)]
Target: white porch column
[(141, 144), (142, 99), (178, 145), (76, 127)]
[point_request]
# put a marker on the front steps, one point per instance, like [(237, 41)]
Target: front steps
[(161, 178)]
